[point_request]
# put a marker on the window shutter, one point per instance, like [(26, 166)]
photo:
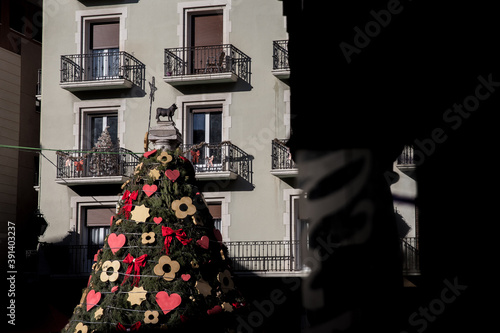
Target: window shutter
[(206, 109), (207, 29), (215, 210), (99, 217), (105, 36)]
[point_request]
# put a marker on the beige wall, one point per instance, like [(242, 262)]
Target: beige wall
[(257, 113)]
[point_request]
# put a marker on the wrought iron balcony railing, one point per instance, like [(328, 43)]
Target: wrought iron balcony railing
[(97, 67), (246, 256), (281, 156), (218, 158), (265, 256), (280, 55), (96, 163), (406, 157), (206, 60), (411, 256)]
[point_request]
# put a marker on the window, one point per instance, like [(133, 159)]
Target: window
[(206, 125), (206, 28), (218, 204), (205, 40), (93, 116), (101, 35), (215, 209), (104, 49), (95, 124), (95, 228)]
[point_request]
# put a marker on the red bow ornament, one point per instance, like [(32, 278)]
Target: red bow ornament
[(195, 156), (134, 264), (134, 327), (169, 234), (79, 165), (127, 205)]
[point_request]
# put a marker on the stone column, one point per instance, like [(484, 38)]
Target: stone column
[(165, 136)]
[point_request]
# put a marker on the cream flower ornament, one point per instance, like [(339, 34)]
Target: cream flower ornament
[(183, 207), (151, 317), (80, 328), (226, 282), (114, 266), (148, 237), (167, 268), (164, 158)]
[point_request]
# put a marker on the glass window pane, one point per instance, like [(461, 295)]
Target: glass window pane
[(97, 235), (199, 128), (215, 127), (112, 123), (96, 127)]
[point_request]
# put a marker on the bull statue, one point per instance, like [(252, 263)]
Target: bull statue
[(168, 112)]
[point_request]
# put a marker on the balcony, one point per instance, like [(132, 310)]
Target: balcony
[(282, 164), (411, 256), (95, 167), (281, 68), (206, 64), (257, 257), (266, 257), (406, 162), (111, 70), (222, 161)]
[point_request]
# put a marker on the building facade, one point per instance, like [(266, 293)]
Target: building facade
[(20, 61), (223, 63)]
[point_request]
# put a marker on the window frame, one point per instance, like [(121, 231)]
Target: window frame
[(87, 137), (187, 9), (82, 109), (85, 19)]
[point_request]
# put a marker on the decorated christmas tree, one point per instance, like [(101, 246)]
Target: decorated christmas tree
[(163, 266)]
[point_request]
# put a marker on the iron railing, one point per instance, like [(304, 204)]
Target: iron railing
[(265, 256), (68, 259), (280, 156), (245, 256), (102, 66), (280, 55), (96, 163), (223, 156), (411, 256), (213, 59), (406, 157)]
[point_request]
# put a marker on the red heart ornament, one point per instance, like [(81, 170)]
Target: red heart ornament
[(157, 220), (93, 298), (168, 302), (149, 153), (203, 242), (185, 277), (216, 309), (116, 242), (149, 189), (172, 174)]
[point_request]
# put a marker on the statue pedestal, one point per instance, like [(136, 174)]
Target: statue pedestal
[(165, 136)]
